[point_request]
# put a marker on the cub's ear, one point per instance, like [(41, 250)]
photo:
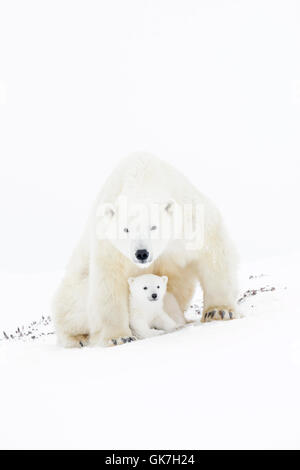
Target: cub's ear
[(170, 206), (165, 279), (130, 280), (106, 210)]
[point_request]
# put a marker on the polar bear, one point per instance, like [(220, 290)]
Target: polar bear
[(148, 217), (147, 315)]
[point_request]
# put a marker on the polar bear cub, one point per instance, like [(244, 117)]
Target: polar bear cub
[(147, 316)]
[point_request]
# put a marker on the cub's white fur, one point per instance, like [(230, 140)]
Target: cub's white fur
[(91, 303), (147, 316)]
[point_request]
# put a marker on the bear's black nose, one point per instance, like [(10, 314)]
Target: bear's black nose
[(154, 296), (142, 255)]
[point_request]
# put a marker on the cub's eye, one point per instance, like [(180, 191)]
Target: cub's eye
[(158, 287), (126, 230), (145, 288), (154, 227)]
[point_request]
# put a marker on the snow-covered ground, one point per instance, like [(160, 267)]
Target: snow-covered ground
[(225, 385)]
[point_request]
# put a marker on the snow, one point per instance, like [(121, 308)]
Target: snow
[(231, 384)]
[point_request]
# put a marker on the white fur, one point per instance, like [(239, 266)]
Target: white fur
[(147, 316), (93, 296)]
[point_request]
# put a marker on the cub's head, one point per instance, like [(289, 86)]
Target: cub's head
[(141, 231), (148, 287)]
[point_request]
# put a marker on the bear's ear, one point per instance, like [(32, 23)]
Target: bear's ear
[(106, 210), (170, 206), (165, 279), (109, 210)]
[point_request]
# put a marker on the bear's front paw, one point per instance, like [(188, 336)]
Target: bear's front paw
[(218, 313), (120, 340), (69, 341)]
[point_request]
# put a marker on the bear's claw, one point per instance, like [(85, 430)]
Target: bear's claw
[(121, 340), (128, 339), (218, 313), (210, 314)]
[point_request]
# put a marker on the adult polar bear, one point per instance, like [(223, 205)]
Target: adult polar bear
[(91, 303)]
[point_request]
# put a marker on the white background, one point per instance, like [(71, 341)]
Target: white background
[(211, 86), (214, 88)]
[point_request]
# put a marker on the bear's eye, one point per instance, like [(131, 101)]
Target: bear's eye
[(126, 230), (145, 288), (158, 287), (154, 227)]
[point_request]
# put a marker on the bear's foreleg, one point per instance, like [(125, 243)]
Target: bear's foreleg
[(108, 317)]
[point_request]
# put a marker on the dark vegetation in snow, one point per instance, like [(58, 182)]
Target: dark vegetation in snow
[(44, 326)]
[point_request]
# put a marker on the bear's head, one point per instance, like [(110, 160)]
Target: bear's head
[(148, 287), (140, 230)]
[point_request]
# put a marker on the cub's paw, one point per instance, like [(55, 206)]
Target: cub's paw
[(218, 313), (149, 333), (120, 340), (155, 332), (192, 313)]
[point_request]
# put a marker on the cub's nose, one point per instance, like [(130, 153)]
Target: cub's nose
[(154, 296), (142, 255)]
